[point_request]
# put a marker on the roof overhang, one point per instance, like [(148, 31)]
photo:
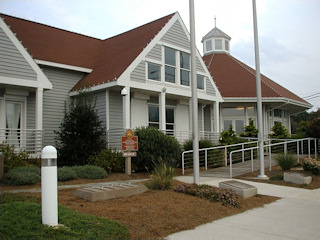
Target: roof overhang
[(64, 66), (286, 103)]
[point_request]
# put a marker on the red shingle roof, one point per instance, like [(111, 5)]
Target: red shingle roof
[(236, 79), (108, 58)]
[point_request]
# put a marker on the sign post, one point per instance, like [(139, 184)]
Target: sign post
[(129, 146)]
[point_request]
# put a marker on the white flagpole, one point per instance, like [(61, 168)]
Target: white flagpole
[(258, 89), (195, 134)]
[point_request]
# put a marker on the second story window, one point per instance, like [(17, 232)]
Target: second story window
[(185, 68), (170, 65), (200, 82), (154, 71)]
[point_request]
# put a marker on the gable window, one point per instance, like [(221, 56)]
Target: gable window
[(154, 71), (218, 44), (170, 65), (185, 68), (200, 82)]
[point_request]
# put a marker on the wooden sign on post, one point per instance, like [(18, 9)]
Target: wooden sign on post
[(129, 146)]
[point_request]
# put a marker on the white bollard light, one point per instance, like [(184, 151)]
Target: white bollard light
[(49, 188)]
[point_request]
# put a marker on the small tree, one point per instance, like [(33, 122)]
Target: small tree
[(81, 132), (279, 131), (228, 137), (250, 130)]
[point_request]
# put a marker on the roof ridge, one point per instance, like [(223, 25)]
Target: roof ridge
[(245, 66), (133, 29), (3, 15)]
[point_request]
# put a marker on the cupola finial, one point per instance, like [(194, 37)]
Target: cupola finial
[(215, 21)]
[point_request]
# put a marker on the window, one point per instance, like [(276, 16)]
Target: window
[(239, 111), (208, 45), (170, 62), (154, 72), (154, 116), (239, 126), (227, 124), (277, 113), (13, 121), (218, 44), (200, 82), (169, 119), (185, 69), (250, 111), (226, 44)]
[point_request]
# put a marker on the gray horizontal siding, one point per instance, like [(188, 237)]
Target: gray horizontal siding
[(139, 73), (176, 36), (209, 88), (199, 66), (101, 106), (31, 110), (155, 53), (12, 63), (207, 118), (54, 100)]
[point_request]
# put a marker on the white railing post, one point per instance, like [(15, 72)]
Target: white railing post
[(315, 148), (242, 152), (182, 163), (226, 156), (231, 165), (309, 147), (285, 147), (206, 158), (251, 160), (298, 150)]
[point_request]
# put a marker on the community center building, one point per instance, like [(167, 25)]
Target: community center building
[(138, 78)]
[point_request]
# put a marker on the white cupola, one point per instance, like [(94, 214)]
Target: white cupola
[(216, 41)]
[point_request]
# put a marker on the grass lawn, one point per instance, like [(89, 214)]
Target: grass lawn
[(22, 220)]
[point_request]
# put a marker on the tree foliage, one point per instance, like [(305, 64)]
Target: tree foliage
[(250, 130), (81, 133), (279, 131)]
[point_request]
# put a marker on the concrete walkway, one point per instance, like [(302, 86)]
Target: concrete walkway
[(295, 216)]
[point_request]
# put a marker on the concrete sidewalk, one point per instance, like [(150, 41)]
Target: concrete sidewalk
[(295, 216)]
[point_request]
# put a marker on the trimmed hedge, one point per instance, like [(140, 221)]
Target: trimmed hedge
[(66, 174), (90, 172), (22, 176)]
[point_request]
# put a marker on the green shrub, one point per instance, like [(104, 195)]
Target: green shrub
[(162, 177), (110, 160), (13, 159), (250, 130), (22, 176), (277, 177), (153, 145), (229, 137), (211, 193), (66, 174), (279, 131), (90, 172), (311, 165), (286, 161)]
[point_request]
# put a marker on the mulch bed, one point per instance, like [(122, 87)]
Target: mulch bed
[(277, 171), (157, 214)]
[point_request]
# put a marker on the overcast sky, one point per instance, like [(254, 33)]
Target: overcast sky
[(289, 30)]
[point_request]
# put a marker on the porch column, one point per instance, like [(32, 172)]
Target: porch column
[(39, 120), (216, 115), (39, 108), (126, 107), (162, 110)]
